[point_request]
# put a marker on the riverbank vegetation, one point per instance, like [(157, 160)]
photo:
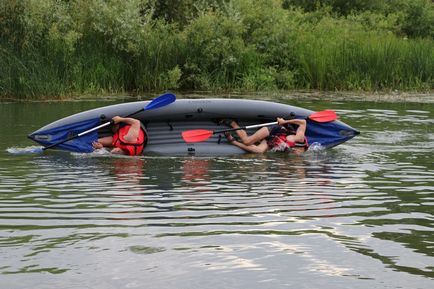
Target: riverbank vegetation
[(51, 48)]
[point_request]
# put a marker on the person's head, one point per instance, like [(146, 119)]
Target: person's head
[(298, 150), (115, 128), (118, 151)]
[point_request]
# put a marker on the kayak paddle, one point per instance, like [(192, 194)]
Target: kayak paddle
[(162, 100), (199, 135)]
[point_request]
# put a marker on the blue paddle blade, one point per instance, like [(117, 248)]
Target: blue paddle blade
[(65, 137), (160, 101)]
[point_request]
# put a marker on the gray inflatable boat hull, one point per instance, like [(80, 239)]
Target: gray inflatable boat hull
[(165, 125)]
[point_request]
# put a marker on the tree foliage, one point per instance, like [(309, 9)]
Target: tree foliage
[(62, 47)]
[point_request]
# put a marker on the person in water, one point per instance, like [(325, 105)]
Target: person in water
[(287, 135), (129, 137)]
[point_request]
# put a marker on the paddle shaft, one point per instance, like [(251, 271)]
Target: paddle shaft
[(246, 127), (291, 116), (322, 116), (202, 135)]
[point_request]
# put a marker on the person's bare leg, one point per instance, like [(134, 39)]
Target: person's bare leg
[(262, 147), (246, 139), (106, 141), (103, 142)]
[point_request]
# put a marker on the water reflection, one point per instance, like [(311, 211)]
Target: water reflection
[(129, 170), (195, 170), (203, 197)]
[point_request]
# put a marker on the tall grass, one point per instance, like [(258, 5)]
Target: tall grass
[(349, 58), (52, 48)]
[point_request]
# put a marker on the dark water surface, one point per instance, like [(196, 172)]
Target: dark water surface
[(357, 216)]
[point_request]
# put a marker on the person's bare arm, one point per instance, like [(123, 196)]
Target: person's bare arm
[(133, 132), (301, 130), (261, 148), (103, 142)]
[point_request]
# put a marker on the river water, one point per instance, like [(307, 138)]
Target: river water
[(357, 216)]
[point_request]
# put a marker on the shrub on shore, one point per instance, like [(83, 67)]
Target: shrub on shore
[(51, 48)]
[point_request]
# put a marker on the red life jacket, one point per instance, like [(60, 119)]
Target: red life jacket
[(132, 148), (280, 143)]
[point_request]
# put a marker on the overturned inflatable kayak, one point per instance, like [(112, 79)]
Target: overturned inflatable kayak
[(165, 125)]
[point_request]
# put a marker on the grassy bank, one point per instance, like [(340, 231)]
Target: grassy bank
[(54, 48)]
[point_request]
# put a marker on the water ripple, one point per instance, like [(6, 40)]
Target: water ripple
[(360, 213)]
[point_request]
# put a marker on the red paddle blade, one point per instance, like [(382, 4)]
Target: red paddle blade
[(323, 116), (196, 135)]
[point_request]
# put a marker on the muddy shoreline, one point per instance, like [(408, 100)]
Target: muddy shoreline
[(396, 96)]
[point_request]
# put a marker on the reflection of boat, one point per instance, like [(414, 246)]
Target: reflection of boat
[(165, 125)]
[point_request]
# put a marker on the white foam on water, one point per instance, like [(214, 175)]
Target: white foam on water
[(25, 150), (95, 153), (316, 147)]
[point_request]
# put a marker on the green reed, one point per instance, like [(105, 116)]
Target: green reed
[(367, 62)]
